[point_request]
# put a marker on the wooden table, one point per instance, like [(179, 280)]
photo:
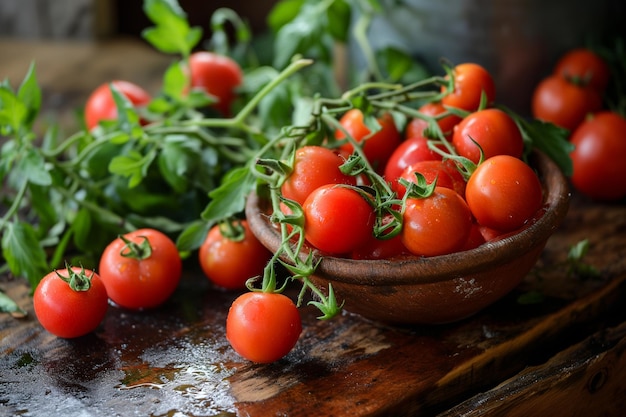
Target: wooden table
[(564, 356)]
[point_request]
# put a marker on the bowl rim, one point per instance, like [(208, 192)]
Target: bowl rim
[(422, 270)]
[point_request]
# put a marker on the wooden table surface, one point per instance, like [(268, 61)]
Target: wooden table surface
[(563, 356)]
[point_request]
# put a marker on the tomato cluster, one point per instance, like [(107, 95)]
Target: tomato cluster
[(572, 98)]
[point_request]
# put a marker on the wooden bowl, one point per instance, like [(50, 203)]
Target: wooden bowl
[(438, 289)]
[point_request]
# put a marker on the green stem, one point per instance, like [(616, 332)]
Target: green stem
[(11, 211)]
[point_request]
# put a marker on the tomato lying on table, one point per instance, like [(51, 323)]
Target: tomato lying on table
[(263, 327), (101, 105), (70, 302), (140, 269)]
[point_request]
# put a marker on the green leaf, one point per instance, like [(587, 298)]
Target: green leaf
[(81, 227), (175, 81), (134, 166), (29, 94), (282, 13), (193, 236), (32, 167), (173, 164), (172, 33), (229, 198), (339, 16), (23, 253), (12, 112), (299, 35), (7, 305), (127, 117)]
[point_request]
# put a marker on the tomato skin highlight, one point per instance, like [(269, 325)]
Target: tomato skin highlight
[(263, 327), (228, 263), (598, 156), (503, 193), (436, 225), (494, 130), (218, 75), (100, 104), (141, 283), (337, 219), (314, 166), (470, 81), (67, 313), (565, 104)]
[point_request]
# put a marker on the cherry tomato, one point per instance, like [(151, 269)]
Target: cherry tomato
[(337, 219), (503, 193), (563, 103), (263, 327), (444, 172), (101, 105), (584, 67), (314, 166), (470, 82), (141, 269), (416, 126), (375, 248), (218, 75), (598, 156), (70, 302), (436, 225), (378, 146), (412, 150), (230, 263), (494, 130)]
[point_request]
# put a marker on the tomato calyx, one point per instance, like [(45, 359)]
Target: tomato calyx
[(78, 281), (232, 230), (138, 251)]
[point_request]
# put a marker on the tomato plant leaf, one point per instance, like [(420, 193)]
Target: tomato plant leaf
[(173, 163), (172, 33), (23, 253), (134, 166), (12, 112), (193, 236), (230, 197), (339, 20), (32, 167), (29, 94), (282, 13), (7, 305)]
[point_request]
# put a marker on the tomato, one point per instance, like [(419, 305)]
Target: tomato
[(598, 156), (337, 219), (412, 150), (584, 67), (70, 302), (230, 263), (378, 146), (100, 104), (263, 327), (503, 193), (218, 75), (416, 126), (470, 82), (436, 225), (444, 172), (494, 130), (563, 103), (375, 248), (314, 166), (140, 269)]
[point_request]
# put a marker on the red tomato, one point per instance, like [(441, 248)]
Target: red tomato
[(470, 82), (70, 302), (558, 101), (412, 150), (416, 126), (375, 248), (584, 67), (504, 193), (444, 172), (494, 130), (436, 225), (218, 75), (101, 106), (475, 238), (263, 327), (337, 219), (314, 166), (230, 263), (378, 146), (143, 273), (598, 157)]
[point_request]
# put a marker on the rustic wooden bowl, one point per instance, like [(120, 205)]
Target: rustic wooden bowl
[(439, 289)]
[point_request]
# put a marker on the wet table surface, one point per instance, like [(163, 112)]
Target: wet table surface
[(562, 356)]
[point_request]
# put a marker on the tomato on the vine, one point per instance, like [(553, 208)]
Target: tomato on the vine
[(70, 302), (411, 151), (471, 81), (218, 75), (443, 171), (493, 130), (416, 126), (379, 145), (563, 103), (436, 225), (598, 164), (337, 219), (503, 193), (263, 327), (314, 166), (584, 67), (101, 105), (140, 269), (380, 248), (229, 263)]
